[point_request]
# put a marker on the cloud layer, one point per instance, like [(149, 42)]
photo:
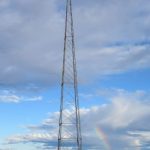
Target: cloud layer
[(110, 38), (123, 127)]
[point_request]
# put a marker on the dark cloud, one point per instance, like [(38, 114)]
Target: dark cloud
[(31, 39)]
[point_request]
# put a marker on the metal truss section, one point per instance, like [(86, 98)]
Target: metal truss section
[(69, 136)]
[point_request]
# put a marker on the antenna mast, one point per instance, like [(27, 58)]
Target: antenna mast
[(69, 136)]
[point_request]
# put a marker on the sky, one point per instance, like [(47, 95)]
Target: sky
[(113, 61)]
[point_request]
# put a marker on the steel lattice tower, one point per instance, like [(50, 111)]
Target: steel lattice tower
[(69, 136)]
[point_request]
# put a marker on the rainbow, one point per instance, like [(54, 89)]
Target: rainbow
[(103, 138)]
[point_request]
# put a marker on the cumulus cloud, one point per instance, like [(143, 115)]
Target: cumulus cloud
[(120, 121), (31, 39)]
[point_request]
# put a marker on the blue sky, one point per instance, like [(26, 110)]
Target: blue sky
[(113, 59)]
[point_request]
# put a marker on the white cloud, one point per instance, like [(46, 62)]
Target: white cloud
[(5, 149), (34, 137), (120, 120), (122, 113), (112, 60), (108, 42), (10, 98), (32, 99), (7, 96)]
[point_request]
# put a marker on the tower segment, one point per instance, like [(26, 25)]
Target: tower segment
[(69, 136)]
